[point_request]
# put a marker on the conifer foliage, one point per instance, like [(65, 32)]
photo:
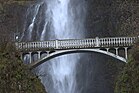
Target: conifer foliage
[(15, 77), (127, 81)]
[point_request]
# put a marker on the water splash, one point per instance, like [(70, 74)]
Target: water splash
[(43, 32)]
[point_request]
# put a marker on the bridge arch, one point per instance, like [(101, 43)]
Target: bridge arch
[(62, 52)]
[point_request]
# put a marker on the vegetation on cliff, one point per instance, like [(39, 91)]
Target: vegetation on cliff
[(15, 77), (5, 3), (128, 25), (11, 16), (127, 81), (126, 15)]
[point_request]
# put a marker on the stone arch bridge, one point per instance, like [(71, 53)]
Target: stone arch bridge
[(110, 46)]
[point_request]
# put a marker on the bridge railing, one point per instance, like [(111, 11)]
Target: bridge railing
[(97, 42), (30, 46), (76, 43), (117, 41), (79, 43)]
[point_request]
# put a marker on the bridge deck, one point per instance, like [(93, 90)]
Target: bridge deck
[(76, 43)]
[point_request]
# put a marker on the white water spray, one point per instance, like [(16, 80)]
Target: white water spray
[(62, 69), (31, 26)]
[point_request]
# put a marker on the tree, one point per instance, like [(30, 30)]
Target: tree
[(127, 81), (15, 77)]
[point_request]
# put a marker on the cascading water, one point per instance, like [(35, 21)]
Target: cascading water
[(63, 69), (65, 19)]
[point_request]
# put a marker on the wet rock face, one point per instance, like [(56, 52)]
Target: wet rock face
[(96, 73), (99, 20), (12, 20)]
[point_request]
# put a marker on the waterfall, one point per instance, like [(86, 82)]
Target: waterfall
[(65, 19), (63, 69)]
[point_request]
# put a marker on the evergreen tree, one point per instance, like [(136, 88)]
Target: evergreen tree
[(15, 77), (128, 79)]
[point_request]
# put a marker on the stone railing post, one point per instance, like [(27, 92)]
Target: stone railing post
[(56, 44), (126, 52), (39, 54), (30, 57), (116, 49), (97, 42)]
